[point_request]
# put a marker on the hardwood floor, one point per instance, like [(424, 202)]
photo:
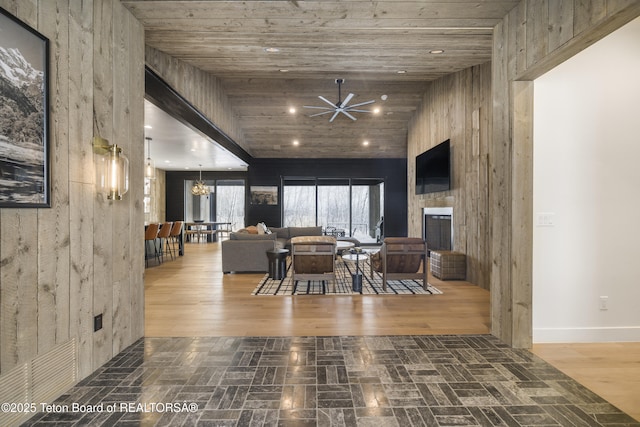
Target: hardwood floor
[(611, 370), (190, 296)]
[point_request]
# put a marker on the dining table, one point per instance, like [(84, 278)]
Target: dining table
[(200, 229)]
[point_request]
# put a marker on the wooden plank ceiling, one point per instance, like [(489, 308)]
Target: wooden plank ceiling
[(378, 48)]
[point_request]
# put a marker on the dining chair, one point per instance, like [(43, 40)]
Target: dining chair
[(223, 228), (150, 236), (163, 236)]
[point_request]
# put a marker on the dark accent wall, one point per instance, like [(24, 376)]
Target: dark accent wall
[(270, 172), (393, 171)]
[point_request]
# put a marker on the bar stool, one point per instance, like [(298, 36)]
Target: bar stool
[(174, 236), (150, 236), (163, 235)]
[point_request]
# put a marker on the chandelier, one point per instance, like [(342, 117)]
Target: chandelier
[(199, 187)]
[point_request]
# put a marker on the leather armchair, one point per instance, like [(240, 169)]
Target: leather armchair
[(401, 258), (313, 258)]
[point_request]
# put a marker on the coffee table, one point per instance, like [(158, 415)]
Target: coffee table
[(343, 245)]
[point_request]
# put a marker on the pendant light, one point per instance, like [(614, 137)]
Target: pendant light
[(149, 165), (199, 188)]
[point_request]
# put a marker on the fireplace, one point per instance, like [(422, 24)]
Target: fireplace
[(437, 228)]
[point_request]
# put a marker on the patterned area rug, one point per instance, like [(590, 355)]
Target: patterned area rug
[(344, 270)]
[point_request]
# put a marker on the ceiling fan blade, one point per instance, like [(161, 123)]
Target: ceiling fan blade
[(320, 114), (327, 101), (362, 103), (320, 108), (348, 115), (346, 100), (351, 110), (334, 116)]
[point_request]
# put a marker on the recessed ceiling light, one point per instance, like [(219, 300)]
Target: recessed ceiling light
[(436, 51), (283, 70), (402, 71), (292, 110), (271, 49), (384, 97), (193, 149), (167, 161), (296, 142), (147, 127), (365, 142), (376, 110)]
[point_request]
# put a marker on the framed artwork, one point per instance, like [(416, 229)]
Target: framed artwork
[(24, 109), (264, 194)]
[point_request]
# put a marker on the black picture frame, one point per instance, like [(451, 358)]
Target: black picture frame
[(264, 194), (25, 180)]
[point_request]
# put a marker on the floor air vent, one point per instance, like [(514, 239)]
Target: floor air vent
[(40, 380)]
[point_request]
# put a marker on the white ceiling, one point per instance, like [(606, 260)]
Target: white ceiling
[(175, 146)]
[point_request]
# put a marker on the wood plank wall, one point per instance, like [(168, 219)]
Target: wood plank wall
[(457, 107), (533, 38), (84, 256), (158, 195), (203, 90)]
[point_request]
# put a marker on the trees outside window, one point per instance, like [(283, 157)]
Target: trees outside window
[(344, 207)]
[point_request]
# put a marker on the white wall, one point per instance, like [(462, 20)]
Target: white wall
[(587, 175)]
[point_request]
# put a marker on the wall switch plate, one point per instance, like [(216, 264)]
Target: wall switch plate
[(604, 303), (97, 323), (545, 219)]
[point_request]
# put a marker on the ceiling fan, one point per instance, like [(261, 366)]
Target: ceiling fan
[(340, 106)]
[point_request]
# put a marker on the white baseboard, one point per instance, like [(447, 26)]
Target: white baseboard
[(577, 335)]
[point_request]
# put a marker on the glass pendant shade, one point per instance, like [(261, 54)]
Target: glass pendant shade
[(149, 165), (113, 176), (149, 169)]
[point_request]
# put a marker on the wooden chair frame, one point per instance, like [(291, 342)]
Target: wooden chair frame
[(398, 247), (313, 246)]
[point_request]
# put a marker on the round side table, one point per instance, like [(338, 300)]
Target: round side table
[(277, 263)]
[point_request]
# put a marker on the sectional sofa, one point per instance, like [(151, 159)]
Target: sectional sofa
[(246, 250)]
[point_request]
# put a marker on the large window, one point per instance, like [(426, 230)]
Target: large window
[(343, 207), (299, 203), (224, 203), (230, 202)]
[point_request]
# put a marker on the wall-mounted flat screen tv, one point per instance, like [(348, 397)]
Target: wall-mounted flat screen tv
[(433, 169)]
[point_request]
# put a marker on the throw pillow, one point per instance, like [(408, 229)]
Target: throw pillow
[(262, 228)]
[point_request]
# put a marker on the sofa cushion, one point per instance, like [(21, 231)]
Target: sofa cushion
[(249, 236), (283, 233), (305, 231)]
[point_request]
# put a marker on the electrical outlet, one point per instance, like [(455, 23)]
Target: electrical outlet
[(604, 303), (97, 322)]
